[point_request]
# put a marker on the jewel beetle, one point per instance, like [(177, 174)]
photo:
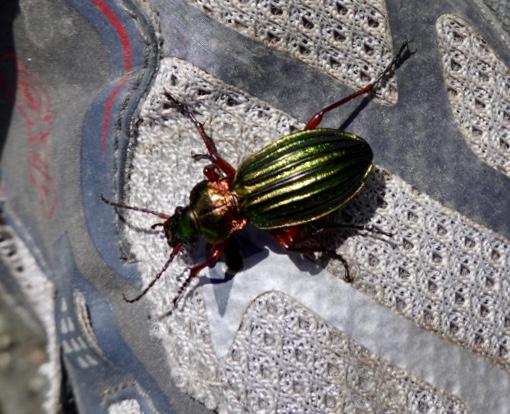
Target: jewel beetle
[(297, 179)]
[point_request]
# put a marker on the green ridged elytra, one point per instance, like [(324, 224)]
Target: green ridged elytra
[(301, 177), (297, 179)]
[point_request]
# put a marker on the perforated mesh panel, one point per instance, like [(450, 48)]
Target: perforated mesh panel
[(446, 273), (125, 407), (348, 39), (286, 359), (478, 85)]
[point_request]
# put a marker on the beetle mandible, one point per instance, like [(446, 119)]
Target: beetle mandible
[(297, 179)]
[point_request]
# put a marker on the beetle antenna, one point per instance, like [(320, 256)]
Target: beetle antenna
[(174, 253), (141, 209)]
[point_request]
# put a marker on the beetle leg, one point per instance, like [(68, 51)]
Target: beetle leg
[(215, 157), (334, 226), (200, 157), (211, 173), (287, 236), (315, 120), (330, 252), (292, 239), (141, 209), (214, 255), (403, 53), (233, 258), (291, 236)]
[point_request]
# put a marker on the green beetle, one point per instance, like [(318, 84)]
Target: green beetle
[(297, 179)]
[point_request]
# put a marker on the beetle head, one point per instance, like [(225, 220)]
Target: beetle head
[(180, 228)]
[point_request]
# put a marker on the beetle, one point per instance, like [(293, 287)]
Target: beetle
[(295, 180)]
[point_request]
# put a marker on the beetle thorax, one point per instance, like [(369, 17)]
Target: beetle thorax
[(215, 211)]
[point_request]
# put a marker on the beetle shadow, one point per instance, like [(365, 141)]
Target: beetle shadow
[(334, 229), (254, 245), (404, 54), (354, 114)]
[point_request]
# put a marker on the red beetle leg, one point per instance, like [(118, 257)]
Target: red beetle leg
[(287, 236), (214, 255), (402, 54), (211, 173), (214, 155), (315, 120), (215, 158), (291, 239)]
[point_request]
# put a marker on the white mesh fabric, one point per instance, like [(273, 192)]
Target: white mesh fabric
[(478, 85), (348, 39), (125, 407), (445, 273), (286, 359)]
